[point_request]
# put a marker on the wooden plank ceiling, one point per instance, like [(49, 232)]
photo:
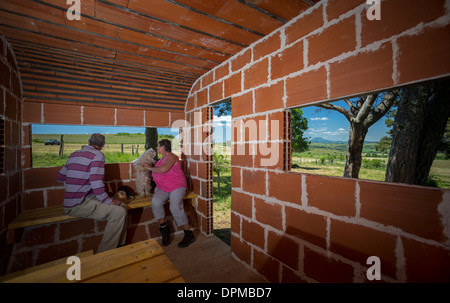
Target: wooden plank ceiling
[(131, 53)]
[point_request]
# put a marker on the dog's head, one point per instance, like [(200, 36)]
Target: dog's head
[(147, 157)]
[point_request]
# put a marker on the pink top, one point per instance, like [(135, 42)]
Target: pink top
[(170, 180)]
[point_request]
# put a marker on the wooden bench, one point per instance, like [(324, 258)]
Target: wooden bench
[(51, 214), (142, 262)]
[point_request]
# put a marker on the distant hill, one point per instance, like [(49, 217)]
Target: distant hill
[(326, 141), (322, 140)]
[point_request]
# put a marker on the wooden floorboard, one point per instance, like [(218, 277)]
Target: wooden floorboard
[(208, 260)]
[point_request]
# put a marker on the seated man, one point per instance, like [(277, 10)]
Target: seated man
[(85, 194)]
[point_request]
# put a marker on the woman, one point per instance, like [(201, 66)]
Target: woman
[(170, 184)]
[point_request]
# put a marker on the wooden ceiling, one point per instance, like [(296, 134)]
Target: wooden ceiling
[(132, 53)]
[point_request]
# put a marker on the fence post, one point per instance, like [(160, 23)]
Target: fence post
[(61, 145), (121, 147), (132, 149)]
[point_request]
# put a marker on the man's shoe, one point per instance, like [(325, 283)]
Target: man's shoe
[(165, 233), (187, 239)]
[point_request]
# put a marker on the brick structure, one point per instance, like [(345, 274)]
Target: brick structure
[(289, 227), (294, 227)]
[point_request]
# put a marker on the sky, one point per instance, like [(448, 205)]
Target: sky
[(331, 125), (326, 124)]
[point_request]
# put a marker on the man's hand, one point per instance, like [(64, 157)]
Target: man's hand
[(116, 202)]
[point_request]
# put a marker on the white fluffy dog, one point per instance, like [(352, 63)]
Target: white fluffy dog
[(142, 175)]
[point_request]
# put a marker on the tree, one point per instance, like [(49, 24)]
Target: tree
[(362, 114), (151, 138), (384, 144), (220, 165), (419, 126), (299, 125)]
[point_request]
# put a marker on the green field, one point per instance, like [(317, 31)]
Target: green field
[(329, 159), (132, 145)]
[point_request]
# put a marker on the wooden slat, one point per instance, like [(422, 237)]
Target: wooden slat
[(31, 217), (45, 215), (121, 262), (43, 266)]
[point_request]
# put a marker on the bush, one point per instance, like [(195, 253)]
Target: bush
[(373, 163)]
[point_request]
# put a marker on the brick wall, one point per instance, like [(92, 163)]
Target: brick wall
[(10, 116), (40, 244), (298, 227)]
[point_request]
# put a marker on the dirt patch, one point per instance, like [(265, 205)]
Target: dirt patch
[(222, 225)]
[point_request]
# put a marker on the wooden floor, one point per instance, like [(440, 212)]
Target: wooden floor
[(208, 260)]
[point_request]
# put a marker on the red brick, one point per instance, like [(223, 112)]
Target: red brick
[(332, 42), (256, 74), (276, 126), (202, 98), (98, 115), (335, 8), (117, 171), (362, 73), (157, 118), (137, 234), (309, 227), (266, 46), (266, 266), (130, 117), (75, 228), (241, 60), (31, 112), (270, 155), (269, 97), (233, 85), (270, 214), (216, 92), (11, 106), (235, 177), (283, 249), (335, 195), (426, 263), (36, 178), (425, 55), (304, 25), (285, 187), (410, 208), (398, 16), (33, 199), (55, 196), (91, 242), (254, 181), (358, 243), (62, 114), (241, 249), (207, 79), (39, 235), (289, 276), (325, 269), (140, 215), (307, 87), (235, 223), (58, 251), (253, 233), (241, 203), (242, 155), (222, 71), (288, 61)]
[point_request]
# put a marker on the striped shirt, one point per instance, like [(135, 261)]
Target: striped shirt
[(83, 176)]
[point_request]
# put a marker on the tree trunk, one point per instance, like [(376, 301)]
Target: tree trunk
[(218, 182), (417, 132), (151, 138), (356, 136)]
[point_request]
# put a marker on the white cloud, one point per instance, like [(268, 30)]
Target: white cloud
[(319, 118)]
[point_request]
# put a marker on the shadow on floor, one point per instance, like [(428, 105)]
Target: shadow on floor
[(223, 234), (208, 260)]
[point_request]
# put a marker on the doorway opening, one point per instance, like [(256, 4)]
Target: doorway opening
[(222, 170)]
